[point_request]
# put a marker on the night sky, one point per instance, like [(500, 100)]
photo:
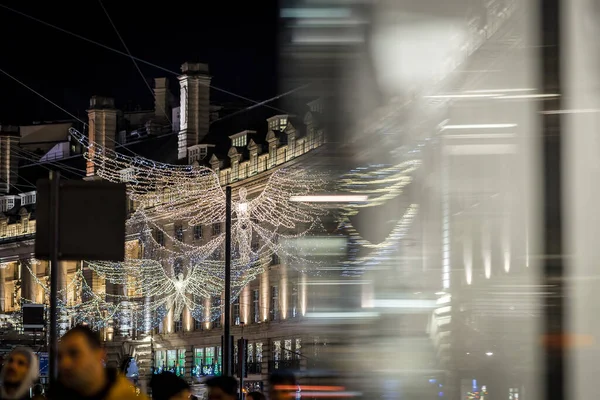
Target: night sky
[(238, 39)]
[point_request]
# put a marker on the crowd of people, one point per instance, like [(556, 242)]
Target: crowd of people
[(82, 374)]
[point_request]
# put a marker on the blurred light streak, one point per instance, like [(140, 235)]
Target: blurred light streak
[(482, 136), (478, 126), (311, 387), (404, 303), (331, 22), (529, 96), (576, 111), (335, 283), (316, 12), (446, 259), (481, 149), (462, 96), (506, 244), (468, 257), (330, 198), (500, 90), (342, 315), (327, 40)]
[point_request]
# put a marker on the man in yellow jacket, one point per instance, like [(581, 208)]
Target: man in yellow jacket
[(81, 371)]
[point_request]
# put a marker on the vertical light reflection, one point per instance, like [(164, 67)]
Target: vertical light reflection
[(264, 295), (527, 244), (245, 304), (303, 294), (445, 223), (284, 291), (486, 249), (506, 243), (207, 313), (368, 295), (468, 256)]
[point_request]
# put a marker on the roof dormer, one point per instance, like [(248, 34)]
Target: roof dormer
[(278, 122), (241, 139), (198, 152)]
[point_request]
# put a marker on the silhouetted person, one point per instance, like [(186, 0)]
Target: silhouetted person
[(20, 370), (168, 386), (81, 371), (255, 396), (281, 385), (222, 388)]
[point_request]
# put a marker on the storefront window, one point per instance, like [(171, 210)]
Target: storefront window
[(159, 361), (171, 360), (181, 362)]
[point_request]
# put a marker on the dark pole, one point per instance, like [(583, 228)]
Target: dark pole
[(54, 228), (226, 362), (551, 205)]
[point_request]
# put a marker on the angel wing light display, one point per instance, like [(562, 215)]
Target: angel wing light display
[(172, 274)]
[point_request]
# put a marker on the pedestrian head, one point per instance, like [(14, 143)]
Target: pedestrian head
[(281, 385), (168, 386), (222, 388), (255, 396), (20, 370), (80, 358)]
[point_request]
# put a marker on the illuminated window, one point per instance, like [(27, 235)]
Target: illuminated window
[(259, 352), (255, 306), (294, 300), (210, 355), (179, 232), (159, 236), (287, 347), (159, 360), (198, 232), (274, 306), (171, 360), (236, 311), (198, 325), (25, 224), (216, 306), (179, 324), (181, 362), (298, 348)]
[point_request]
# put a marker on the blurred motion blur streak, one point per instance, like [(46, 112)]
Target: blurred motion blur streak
[(434, 111)]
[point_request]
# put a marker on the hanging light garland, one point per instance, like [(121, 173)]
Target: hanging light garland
[(181, 275)]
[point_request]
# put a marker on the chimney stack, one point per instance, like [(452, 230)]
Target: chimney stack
[(102, 121), (162, 109), (194, 105), (9, 161)]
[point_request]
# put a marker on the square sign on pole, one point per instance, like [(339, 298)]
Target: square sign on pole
[(91, 220), (33, 316), (77, 220)]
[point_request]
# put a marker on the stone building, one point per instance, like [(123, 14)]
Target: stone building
[(268, 312)]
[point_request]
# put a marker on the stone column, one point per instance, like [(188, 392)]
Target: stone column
[(2, 288), (63, 323), (27, 280)]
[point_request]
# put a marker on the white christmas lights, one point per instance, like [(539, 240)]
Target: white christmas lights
[(172, 275)]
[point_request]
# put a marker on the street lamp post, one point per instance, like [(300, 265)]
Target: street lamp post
[(226, 361)]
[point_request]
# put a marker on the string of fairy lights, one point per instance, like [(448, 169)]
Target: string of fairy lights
[(164, 274)]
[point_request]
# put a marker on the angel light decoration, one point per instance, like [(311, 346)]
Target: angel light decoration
[(182, 275)]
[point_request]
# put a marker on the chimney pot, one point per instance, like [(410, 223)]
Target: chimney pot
[(190, 68), (101, 102)]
